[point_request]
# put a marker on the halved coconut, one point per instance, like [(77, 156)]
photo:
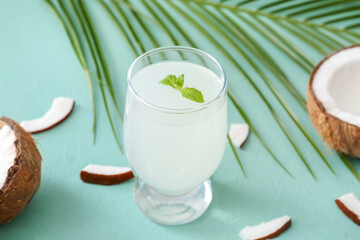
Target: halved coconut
[(333, 100), (60, 109), (105, 175), (266, 230), (349, 204), (20, 167)]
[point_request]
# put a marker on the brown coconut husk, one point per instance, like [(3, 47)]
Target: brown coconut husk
[(340, 135), (23, 178)]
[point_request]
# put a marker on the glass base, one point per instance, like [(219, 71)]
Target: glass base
[(172, 210)]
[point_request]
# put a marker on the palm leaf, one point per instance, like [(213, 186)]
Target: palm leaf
[(279, 41), (311, 8), (253, 130), (251, 43), (335, 11), (122, 29), (102, 67), (349, 165), (287, 18), (236, 155), (142, 23), (77, 47), (89, 37), (102, 58)]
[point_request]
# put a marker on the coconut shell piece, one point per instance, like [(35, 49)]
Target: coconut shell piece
[(267, 230), (23, 179), (60, 110), (349, 204), (239, 134), (105, 175), (340, 135)]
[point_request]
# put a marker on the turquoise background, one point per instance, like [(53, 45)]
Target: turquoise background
[(37, 64)]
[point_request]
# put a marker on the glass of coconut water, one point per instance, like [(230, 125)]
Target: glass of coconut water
[(175, 131)]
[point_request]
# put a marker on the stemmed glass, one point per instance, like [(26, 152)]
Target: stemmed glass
[(174, 151)]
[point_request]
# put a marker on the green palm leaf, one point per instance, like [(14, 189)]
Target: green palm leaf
[(125, 33), (75, 42), (236, 155), (101, 65)]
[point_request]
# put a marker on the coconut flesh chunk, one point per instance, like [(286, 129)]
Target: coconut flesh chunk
[(349, 204), (105, 175), (238, 134), (7, 151), (336, 85), (59, 111), (266, 230)]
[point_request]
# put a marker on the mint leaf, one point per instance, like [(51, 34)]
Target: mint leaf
[(173, 81), (169, 80), (178, 82), (192, 94)]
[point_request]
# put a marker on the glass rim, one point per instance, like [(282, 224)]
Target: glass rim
[(179, 49)]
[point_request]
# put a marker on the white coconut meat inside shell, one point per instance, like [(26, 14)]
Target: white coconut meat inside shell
[(336, 85), (7, 152)]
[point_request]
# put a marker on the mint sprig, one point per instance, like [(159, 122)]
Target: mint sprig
[(178, 82)]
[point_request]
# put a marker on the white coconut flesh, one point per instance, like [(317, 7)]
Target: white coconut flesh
[(352, 203), (238, 134), (336, 85), (60, 109), (7, 151), (105, 170)]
